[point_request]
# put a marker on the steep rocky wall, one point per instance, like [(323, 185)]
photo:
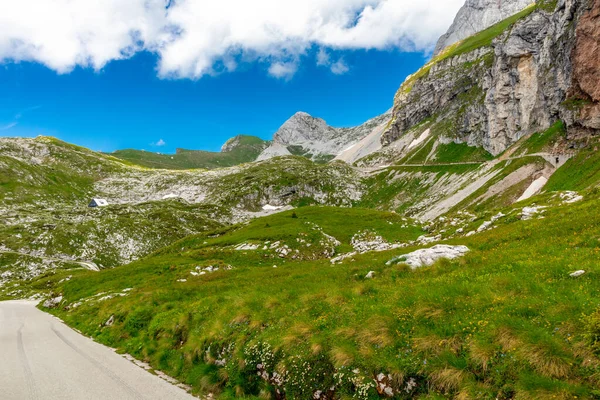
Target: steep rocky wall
[(585, 92), (450, 92), (494, 95)]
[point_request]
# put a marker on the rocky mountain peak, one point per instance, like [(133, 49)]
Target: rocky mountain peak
[(303, 134), (303, 127), (477, 15)]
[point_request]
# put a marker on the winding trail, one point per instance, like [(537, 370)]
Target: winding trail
[(42, 358)]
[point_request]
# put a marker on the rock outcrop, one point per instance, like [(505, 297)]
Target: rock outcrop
[(426, 257), (493, 95), (477, 15)]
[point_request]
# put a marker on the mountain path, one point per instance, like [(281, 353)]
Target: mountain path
[(550, 157)]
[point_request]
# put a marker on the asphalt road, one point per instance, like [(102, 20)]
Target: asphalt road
[(41, 358)]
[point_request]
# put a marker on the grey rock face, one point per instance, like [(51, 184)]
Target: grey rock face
[(315, 138), (274, 150), (494, 95), (477, 15), (302, 128), (453, 91)]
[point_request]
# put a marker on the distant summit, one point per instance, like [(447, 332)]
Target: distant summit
[(311, 137)]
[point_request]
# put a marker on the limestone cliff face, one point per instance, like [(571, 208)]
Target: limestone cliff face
[(521, 83), (477, 15), (585, 91)]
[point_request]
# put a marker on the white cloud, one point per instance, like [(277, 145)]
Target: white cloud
[(283, 70), (8, 126), (324, 60), (339, 67), (194, 38), (160, 143)]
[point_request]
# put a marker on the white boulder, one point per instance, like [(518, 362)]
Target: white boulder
[(530, 212), (426, 257), (246, 246), (53, 302)]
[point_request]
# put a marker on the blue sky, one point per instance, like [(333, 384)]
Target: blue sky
[(125, 105), (192, 73)]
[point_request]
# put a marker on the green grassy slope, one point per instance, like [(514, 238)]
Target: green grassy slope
[(247, 149), (542, 141), (504, 322), (46, 185), (580, 172), (107, 236), (46, 169)]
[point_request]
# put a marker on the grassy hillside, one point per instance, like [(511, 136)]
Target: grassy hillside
[(47, 170), (506, 321), (281, 304), (246, 149), (46, 185), (545, 141)]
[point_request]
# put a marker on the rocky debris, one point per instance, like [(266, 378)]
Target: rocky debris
[(207, 270), (342, 257), (53, 302), (370, 275), (451, 189), (283, 251), (477, 15), (366, 241), (110, 321), (370, 143), (384, 385), (570, 197), (424, 239), (485, 226), (577, 274), (488, 224), (426, 257), (111, 296), (530, 212), (246, 246), (410, 385)]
